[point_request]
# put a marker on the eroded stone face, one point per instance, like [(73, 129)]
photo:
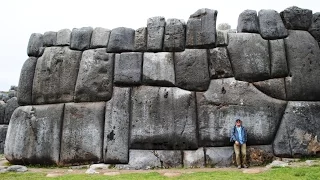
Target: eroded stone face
[(128, 68), (155, 31), (248, 22), (121, 40), (271, 25), (3, 132), (100, 37), (35, 45), (296, 18), (174, 35), (81, 38)]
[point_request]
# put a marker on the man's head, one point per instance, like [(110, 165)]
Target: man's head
[(238, 122)]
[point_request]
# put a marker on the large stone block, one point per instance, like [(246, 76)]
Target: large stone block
[(55, 75), (227, 100), (158, 69), (271, 25), (248, 22), (34, 135), (49, 38), (163, 118), (219, 156), (169, 159), (128, 68), (174, 35), (100, 37), (222, 37), (278, 59), (304, 66), (298, 134), (223, 26), (272, 87), (24, 94), (260, 155), (192, 71), (140, 39), (314, 28), (35, 45), (63, 37), (141, 159), (296, 18), (121, 40), (82, 133), (219, 63), (116, 127), (3, 133), (201, 29), (194, 159), (249, 55), (95, 77), (2, 111), (155, 29), (11, 105), (81, 38)]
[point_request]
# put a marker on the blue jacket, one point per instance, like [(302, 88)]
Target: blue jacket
[(235, 135)]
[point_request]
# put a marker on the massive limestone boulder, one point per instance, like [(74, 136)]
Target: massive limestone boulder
[(81, 38), (2, 110), (298, 134), (63, 37), (201, 29), (55, 75), (219, 63), (34, 135), (141, 159), (303, 55), (3, 132), (227, 100), (158, 69), (49, 38), (11, 105), (140, 39), (271, 25), (24, 94), (248, 22), (194, 159), (222, 37), (155, 29), (82, 133), (95, 77), (174, 35), (219, 156), (272, 87), (163, 118), (296, 18), (259, 155), (100, 37), (249, 55), (35, 45), (314, 28), (278, 59), (121, 40)]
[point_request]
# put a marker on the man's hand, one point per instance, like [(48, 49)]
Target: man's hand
[(237, 143)]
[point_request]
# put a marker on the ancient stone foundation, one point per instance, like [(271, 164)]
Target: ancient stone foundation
[(167, 95)]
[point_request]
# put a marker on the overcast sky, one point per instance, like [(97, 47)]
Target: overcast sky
[(20, 18)]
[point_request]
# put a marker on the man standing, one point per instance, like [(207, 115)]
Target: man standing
[(239, 137)]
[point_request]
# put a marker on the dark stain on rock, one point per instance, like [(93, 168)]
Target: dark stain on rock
[(110, 136)]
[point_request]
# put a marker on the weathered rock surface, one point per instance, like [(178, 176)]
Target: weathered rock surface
[(228, 99), (128, 68), (174, 35), (140, 39), (155, 29), (219, 156), (81, 38), (100, 37), (296, 18), (63, 37), (117, 127), (11, 105), (299, 130), (55, 75), (49, 38), (95, 77), (191, 68), (3, 132), (121, 40), (222, 37), (223, 26), (158, 69), (272, 87), (169, 159), (249, 55), (35, 45), (193, 159), (219, 63), (314, 28), (163, 118), (24, 94), (82, 133), (278, 59), (304, 66), (17, 168), (248, 22), (260, 155), (271, 25), (141, 159), (2, 111), (34, 135)]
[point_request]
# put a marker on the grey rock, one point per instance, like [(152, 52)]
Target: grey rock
[(223, 26), (201, 29), (35, 45), (222, 37), (116, 127), (219, 156), (194, 159), (277, 163), (227, 100), (3, 133), (219, 63), (158, 69), (304, 66), (99, 166), (100, 37), (191, 68), (272, 87), (141, 159), (24, 94), (11, 105), (49, 38), (260, 155), (299, 130), (17, 168), (314, 28), (121, 40), (296, 18), (34, 135), (155, 29), (248, 22), (91, 171), (2, 111), (174, 35), (12, 93), (82, 133), (271, 25), (55, 75), (278, 59), (140, 39), (128, 68), (63, 37), (163, 119), (95, 77), (169, 159), (14, 88), (249, 55), (81, 38)]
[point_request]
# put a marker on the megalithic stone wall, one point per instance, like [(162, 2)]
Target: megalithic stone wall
[(167, 95)]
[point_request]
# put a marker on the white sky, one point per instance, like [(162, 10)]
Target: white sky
[(20, 18)]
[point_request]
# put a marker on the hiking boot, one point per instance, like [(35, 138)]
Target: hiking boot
[(245, 166), (239, 167)]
